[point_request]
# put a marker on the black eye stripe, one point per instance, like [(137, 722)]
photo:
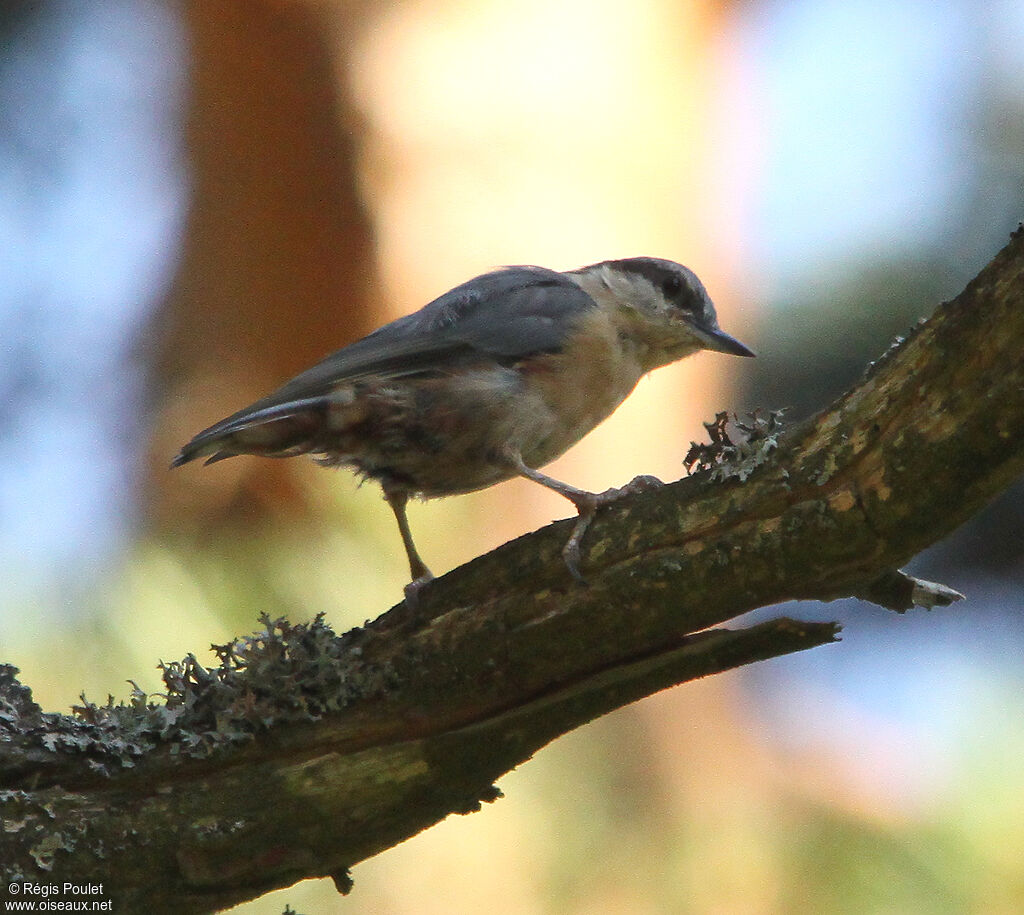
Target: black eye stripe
[(677, 284)]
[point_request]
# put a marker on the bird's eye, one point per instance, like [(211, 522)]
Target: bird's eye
[(671, 286)]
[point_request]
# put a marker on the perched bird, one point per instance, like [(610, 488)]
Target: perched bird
[(492, 380)]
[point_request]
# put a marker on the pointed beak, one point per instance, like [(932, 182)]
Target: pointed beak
[(721, 342)]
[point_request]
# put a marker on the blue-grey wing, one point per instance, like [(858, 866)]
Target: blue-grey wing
[(507, 314)]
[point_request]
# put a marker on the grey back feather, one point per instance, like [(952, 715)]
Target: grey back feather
[(507, 314)]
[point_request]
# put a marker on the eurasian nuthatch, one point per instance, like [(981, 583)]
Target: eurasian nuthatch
[(490, 381)]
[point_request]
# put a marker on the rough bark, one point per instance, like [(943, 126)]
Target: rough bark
[(507, 652)]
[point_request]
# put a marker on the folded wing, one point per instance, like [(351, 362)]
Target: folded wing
[(501, 316)]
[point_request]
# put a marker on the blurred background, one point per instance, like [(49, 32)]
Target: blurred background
[(198, 200)]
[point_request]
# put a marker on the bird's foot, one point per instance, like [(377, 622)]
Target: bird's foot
[(643, 483), (587, 504), (412, 590)]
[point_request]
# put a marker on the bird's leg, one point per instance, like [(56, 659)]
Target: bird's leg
[(397, 499), (587, 504)]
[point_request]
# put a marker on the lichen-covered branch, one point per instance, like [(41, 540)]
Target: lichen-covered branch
[(246, 780), (303, 754)]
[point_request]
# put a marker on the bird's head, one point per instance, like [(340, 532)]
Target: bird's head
[(660, 305)]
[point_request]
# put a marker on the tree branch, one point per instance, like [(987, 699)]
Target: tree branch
[(305, 753)]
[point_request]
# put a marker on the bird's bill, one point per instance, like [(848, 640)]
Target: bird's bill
[(721, 342)]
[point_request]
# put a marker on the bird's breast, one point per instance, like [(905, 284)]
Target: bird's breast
[(581, 386), (448, 433)]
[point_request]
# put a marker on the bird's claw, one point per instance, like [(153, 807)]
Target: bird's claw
[(643, 483), (571, 552), (587, 505), (412, 591)]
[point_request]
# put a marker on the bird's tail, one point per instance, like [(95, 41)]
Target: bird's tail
[(281, 430)]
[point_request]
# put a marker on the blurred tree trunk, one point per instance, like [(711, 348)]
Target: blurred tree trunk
[(278, 263)]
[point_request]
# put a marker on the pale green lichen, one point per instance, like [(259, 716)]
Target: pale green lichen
[(283, 673), (736, 455)]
